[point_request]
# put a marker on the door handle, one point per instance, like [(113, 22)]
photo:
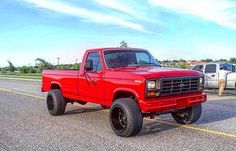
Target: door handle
[(213, 76)]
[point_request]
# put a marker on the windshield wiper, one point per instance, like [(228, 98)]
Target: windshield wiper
[(149, 64), (135, 65), (121, 66)]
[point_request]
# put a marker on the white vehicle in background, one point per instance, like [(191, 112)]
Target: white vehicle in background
[(211, 71)]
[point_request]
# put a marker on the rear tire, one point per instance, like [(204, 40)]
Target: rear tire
[(125, 117), (56, 103), (188, 115)]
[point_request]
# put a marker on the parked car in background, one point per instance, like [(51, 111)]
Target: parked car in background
[(211, 71)]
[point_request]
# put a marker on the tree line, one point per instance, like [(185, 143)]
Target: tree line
[(231, 60), (37, 68), (42, 65)]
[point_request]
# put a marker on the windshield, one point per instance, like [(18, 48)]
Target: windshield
[(129, 58)]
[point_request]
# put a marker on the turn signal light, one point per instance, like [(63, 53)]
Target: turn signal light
[(153, 94)]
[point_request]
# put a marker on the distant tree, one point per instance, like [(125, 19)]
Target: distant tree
[(175, 60), (31, 70), (4, 70), (76, 66), (123, 44), (232, 60), (165, 61), (181, 60), (223, 60), (207, 60), (11, 66), (61, 67), (183, 66), (24, 69), (42, 64)]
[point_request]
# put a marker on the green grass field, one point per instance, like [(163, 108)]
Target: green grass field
[(21, 76)]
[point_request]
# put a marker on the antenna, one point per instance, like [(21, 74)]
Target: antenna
[(58, 60)]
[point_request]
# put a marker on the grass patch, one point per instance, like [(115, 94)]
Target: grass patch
[(21, 76)]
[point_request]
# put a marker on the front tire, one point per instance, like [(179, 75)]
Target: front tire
[(125, 117), (56, 103), (188, 115)]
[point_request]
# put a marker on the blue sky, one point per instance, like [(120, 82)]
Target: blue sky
[(170, 29)]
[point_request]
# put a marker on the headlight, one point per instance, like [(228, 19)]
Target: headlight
[(151, 85), (154, 85), (153, 88)]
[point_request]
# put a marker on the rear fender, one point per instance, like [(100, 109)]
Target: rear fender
[(57, 84)]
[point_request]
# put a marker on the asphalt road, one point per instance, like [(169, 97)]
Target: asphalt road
[(26, 125)]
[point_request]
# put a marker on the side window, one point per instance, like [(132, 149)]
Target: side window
[(233, 68), (210, 68), (229, 67), (198, 68), (94, 59)]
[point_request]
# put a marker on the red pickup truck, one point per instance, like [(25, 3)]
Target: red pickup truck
[(131, 83)]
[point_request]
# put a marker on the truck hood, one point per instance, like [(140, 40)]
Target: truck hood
[(157, 72)]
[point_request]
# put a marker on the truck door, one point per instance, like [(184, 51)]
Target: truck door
[(211, 76), (91, 85), (230, 82)]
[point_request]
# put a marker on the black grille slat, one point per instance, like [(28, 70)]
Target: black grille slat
[(179, 85)]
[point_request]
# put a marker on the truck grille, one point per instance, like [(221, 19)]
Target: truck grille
[(174, 86)]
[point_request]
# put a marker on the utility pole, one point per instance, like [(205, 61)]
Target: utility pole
[(58, 60), (76, 61)]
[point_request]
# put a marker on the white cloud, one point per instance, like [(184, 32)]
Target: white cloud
[(84, 13), (212, 10), (129, 7), (117, 5)]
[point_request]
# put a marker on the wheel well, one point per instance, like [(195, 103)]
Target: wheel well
[(55, 86), (123, 94)]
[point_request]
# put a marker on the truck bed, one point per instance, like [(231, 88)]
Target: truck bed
[(66, 79)]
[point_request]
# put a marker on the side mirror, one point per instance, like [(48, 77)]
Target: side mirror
[(89, 65)]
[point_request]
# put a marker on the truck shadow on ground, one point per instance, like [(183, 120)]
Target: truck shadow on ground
[(79, 110), (155, 127), (149, 127), (218, 110), (213, 111)]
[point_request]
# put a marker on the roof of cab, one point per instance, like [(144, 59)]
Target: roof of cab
[(115, 48)]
